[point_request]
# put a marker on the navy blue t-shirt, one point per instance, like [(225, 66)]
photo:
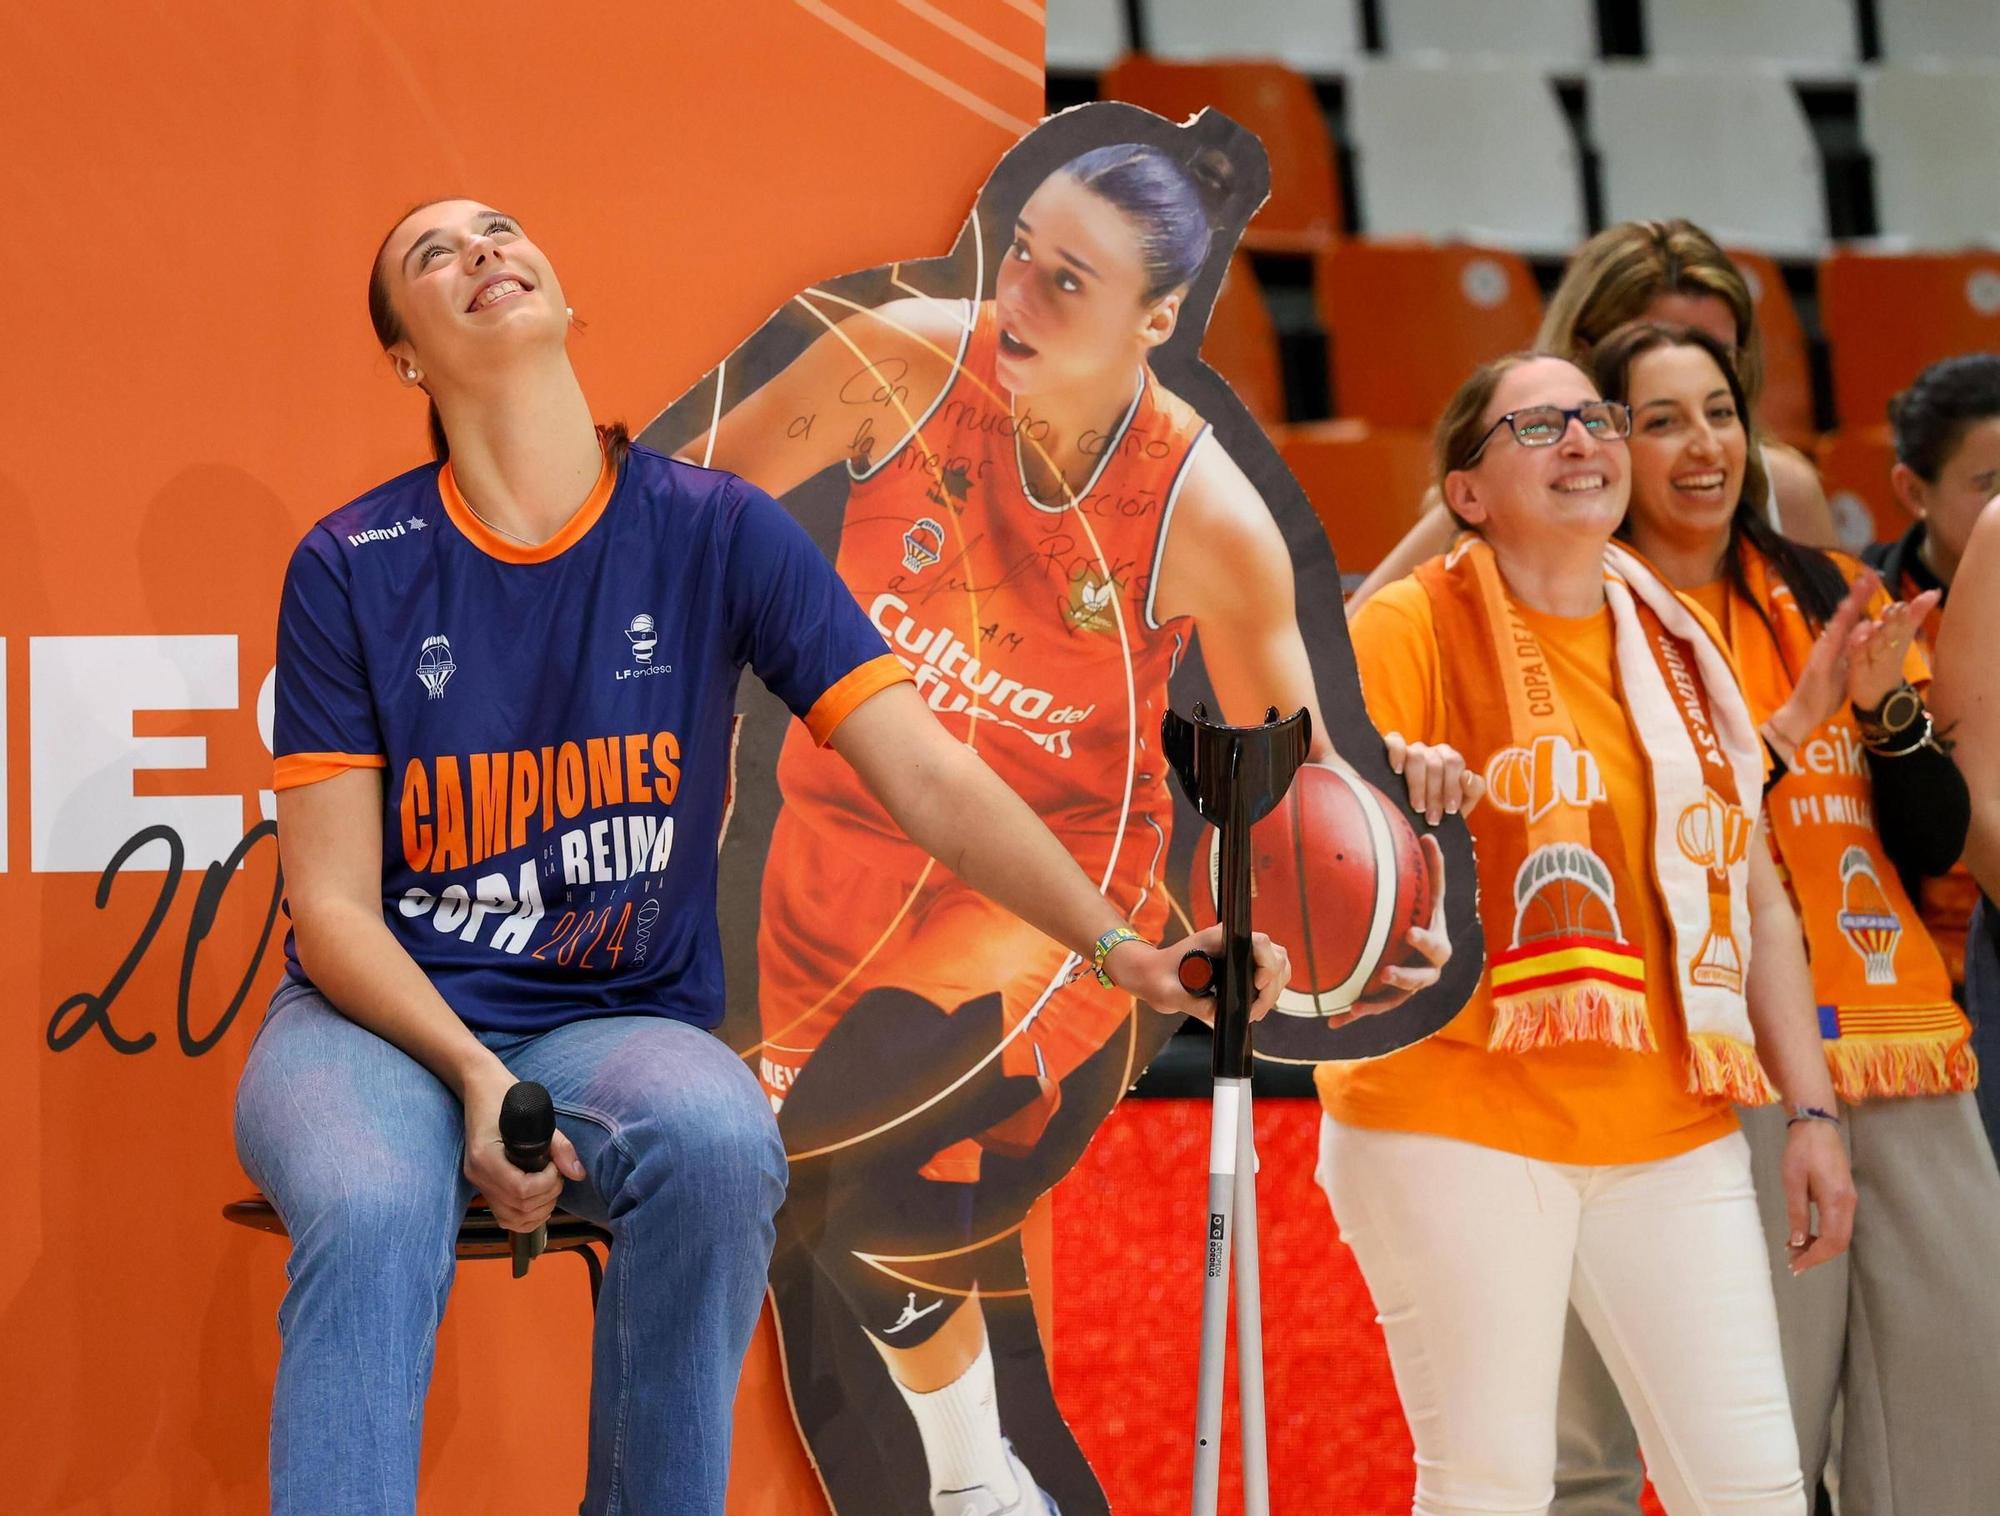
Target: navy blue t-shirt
[(554, 722)]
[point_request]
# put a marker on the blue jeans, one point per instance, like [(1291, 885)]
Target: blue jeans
[(361, 1151)]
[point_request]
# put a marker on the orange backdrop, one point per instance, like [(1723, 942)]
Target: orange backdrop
[(192, 194)]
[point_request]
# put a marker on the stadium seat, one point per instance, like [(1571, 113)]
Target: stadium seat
[(1366, 485), (1662, 129), (1479, 152), (1317, 36), (1242, 345), (1277, 104), (1933, 133), (1558, 34), (1407, 321), (1854, 466), (1809, 35), (1785, 409), (1964, 30), (1086, 36), (1887, 316)]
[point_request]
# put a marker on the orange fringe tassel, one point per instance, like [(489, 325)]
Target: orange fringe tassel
[(1872, 1066), (1580, 1012), (1719, 1065)]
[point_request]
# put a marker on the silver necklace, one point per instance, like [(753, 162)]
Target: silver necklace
[(493, 526)]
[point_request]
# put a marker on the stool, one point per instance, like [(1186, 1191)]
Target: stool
[(479, 1235)]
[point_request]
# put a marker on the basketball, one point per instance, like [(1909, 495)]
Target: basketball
[(1337, 877)]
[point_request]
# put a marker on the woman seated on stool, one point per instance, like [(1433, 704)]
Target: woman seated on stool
[(1569, 1136), (504, 699)]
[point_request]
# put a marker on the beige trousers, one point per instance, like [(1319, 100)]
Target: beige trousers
[(1903, 1331)]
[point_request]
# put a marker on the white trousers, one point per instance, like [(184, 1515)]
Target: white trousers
[(1474, 1256)]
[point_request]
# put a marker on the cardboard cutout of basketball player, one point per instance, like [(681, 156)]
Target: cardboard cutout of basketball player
[(1062, 521)]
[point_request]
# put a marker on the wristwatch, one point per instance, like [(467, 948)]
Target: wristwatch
[(1899, 710)]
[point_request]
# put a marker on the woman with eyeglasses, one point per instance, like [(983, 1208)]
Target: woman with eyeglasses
[(1904, 1330), (1569, 1137), (1651, 271)]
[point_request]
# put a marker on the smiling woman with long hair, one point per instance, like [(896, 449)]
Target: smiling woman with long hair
[(504, 713), (1861, 806)]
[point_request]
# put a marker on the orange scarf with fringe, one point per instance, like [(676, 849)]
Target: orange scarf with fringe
[(1886, 1014), (1554, 879)]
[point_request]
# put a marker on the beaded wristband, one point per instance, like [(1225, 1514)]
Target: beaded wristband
[(1110, 940)]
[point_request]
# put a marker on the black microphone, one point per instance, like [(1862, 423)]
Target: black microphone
[(527, 1126)]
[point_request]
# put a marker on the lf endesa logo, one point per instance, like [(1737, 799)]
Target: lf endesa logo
[(90, 813)]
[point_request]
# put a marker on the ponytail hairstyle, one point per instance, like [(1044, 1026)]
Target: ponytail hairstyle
[(1622, 270), (1814, 579), (1174, 203), (388, 324), (1930, 419)]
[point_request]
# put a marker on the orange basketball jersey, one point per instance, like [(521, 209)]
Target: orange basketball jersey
[(1029, 628), (1028, 624)]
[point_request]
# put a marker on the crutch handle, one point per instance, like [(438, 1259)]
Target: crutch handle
[(1198, 973)]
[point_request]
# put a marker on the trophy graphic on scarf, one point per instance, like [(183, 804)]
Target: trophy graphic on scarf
[(1715, 833)]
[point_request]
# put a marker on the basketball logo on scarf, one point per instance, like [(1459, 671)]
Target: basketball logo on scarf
[(1867, 920), (1536, 779), (1569, 950)]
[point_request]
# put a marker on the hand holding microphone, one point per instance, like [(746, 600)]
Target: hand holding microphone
[(527, 1127), (516, 1158)]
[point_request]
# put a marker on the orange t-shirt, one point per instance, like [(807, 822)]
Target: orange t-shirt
[(1581, 1102)]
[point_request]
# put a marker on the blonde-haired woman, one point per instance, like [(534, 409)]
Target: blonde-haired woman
[(1649, 271)]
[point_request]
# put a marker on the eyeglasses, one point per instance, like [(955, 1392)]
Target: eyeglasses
[(1545, 425)]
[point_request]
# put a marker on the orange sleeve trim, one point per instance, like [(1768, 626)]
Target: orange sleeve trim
[(295, 769), (855, 686)]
